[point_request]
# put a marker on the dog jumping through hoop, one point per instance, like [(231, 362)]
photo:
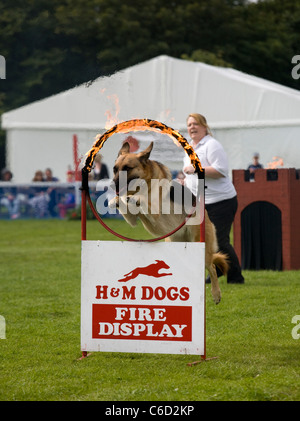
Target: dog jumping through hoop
[(138, 167)]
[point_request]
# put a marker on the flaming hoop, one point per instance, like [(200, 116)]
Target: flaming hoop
[(126, 127), (142, 125)]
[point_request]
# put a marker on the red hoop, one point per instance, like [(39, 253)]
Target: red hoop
[(150, 240), (123, 128)]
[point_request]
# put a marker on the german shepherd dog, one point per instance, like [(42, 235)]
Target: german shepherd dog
[(140, 169)]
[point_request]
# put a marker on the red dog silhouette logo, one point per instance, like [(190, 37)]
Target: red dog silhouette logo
[(150, 270)]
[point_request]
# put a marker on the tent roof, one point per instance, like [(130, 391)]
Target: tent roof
[(164, 89)]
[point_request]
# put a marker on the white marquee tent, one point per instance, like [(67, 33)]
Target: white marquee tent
[(247, 114)]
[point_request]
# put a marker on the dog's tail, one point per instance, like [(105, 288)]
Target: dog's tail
[(221, 260)]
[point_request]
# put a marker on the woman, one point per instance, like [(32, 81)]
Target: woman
[(220, 194), (100, 171)]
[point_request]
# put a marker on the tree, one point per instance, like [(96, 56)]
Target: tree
[(207, 57)]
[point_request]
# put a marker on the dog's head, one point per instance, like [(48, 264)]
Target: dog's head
[(133, 164)]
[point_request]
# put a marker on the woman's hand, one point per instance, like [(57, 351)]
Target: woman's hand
[(189, 169), (209, 171)]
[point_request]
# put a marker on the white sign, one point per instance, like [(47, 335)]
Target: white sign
[(143, 297)]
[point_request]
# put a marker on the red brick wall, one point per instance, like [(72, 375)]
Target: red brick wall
[(283, 193)]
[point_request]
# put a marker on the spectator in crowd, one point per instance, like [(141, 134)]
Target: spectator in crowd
[(40, 200), (51, 192), (100, 170), (68, 202), (6, 175), (38, 176), (49, 175), (255, 165), (8, 196), (70, 174)]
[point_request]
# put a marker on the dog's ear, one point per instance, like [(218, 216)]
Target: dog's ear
[(125, 149), (146, 153)]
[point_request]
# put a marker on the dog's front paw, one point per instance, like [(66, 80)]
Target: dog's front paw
[(134, 201), (114, 203)]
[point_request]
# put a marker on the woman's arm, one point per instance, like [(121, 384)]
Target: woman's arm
[(209, 171)]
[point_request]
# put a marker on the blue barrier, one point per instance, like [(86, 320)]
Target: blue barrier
[(45, 199)]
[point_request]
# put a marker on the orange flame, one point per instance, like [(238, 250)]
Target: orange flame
[(277, 162), (112, 119), (141, 125)]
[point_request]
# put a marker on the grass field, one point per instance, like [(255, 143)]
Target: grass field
[(249, 332)]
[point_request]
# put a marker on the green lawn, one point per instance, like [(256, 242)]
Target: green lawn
[(249, 331)]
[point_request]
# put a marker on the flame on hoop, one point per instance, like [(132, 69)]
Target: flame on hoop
[(112, 119), (141, 125)]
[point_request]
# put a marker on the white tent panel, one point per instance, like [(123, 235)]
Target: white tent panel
[(270, 142), (246, 114)]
